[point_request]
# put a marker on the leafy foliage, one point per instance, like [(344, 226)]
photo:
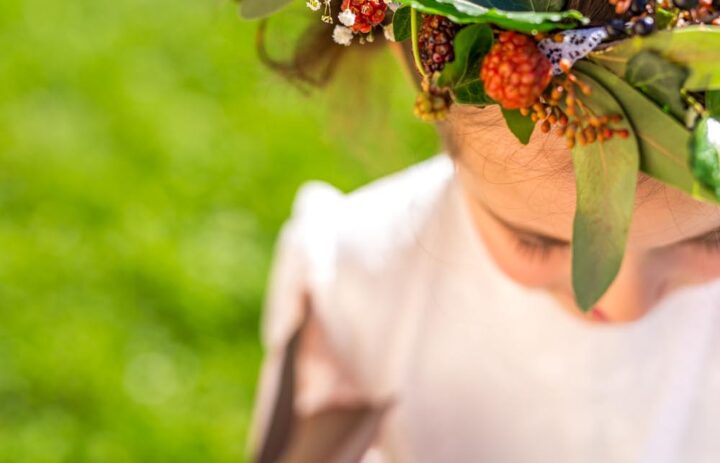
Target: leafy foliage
[(522, 5), (521, 126), (256, 9), (462, 75), (712, 103), (401, 23), (606, 176), (471, 44), (659, 79), (665, 18), (467, 12), (663, 141), (705, 153), (696, 48)]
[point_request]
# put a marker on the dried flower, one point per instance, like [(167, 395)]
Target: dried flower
[(342, 35), (347, 18)]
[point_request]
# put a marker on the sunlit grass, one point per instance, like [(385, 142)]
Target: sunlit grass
[(146, 164)]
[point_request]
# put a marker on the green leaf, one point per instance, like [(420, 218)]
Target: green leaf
[(521, 126), (712, 103), (606, 176), (256, 9), (401, 23), (472, 93), (663, 141), (697, 48), (468, 12), (522, 5), (471, 44), (665, 18), (659, 79), (705, 153)]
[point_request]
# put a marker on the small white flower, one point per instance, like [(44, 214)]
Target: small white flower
[(313, 4), (342, 35), (389, 33), (347, 18)]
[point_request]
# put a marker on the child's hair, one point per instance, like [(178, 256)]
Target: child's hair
[(316, 57)]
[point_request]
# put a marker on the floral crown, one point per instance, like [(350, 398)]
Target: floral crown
[(640, 93)]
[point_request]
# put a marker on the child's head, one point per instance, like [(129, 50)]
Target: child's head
[(522, 199)]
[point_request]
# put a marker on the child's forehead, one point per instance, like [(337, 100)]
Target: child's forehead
[(538, 193)]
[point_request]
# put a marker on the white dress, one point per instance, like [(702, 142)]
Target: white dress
[(410, 313)]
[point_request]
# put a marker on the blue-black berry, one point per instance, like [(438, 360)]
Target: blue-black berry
[(615, 27), (638, 6), (644, 26)]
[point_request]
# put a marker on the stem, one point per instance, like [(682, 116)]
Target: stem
[(695, 104), (415, 44)]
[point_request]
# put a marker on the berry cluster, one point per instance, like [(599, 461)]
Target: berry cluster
[(515, 71), (560, 106), (368, 13), (435, 40), (695, 11), (433, 103), (518, 75), (642, 14)]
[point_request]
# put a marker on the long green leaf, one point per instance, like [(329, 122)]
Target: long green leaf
[(695, 47), (606, 176), (467, 12), (664, 142), (659, 79)]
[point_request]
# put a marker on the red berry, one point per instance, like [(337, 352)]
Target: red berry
[(368, 13), (515, 71)]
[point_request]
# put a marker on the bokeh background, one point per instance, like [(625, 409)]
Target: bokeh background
[(147, 162)]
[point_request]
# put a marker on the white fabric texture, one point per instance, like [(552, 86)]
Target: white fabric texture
[(409, 310)]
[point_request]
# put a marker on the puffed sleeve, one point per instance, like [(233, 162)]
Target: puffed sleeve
[(304, 262)]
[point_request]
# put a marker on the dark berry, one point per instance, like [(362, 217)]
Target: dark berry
[(644, 26), (638, 6), (686, 4), (616, 27), (436, 42)]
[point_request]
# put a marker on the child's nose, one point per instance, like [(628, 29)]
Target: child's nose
[(638, 287)]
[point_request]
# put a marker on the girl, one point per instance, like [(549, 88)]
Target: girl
[(431, 316)]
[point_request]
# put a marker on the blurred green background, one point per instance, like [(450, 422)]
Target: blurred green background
[(147, 162)]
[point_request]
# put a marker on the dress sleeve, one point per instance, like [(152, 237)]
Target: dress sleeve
[(303, 262)]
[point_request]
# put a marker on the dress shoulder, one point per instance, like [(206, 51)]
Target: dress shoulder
[(361, 232), (336, 264)]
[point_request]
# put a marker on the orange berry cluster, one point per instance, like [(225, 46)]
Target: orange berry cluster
[(518, 75), (561, 107), (515, 72)]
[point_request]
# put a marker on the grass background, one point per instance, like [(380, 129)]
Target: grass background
[(147, 162)]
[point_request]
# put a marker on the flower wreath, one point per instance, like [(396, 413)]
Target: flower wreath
[(640, 93)]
